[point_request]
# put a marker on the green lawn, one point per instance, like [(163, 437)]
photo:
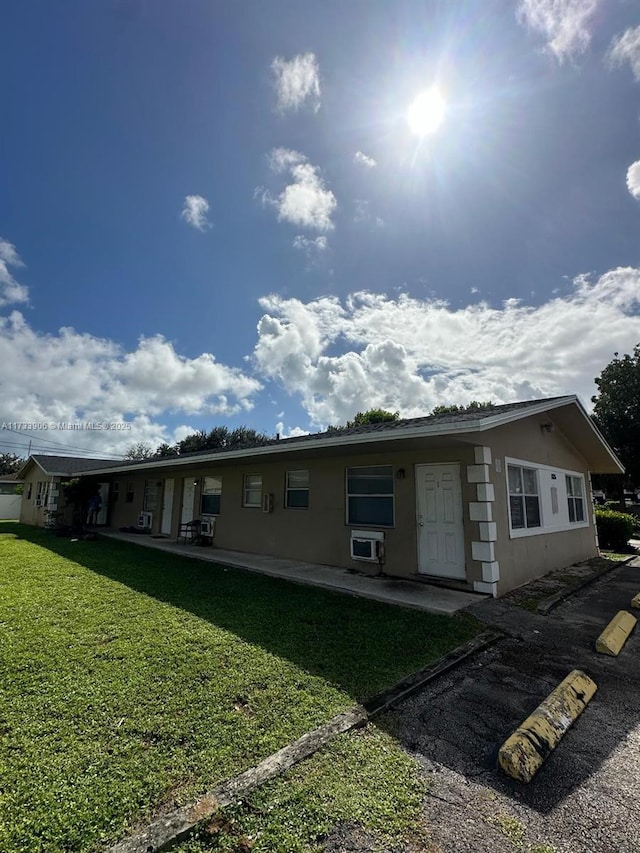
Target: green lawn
[(132, 679)]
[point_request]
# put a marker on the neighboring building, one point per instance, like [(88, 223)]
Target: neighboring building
[(42, 497), (482, 500), (10, 497)]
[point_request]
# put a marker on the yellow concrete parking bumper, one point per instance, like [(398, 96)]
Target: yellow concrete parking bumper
[(523, 754), (616, 634), (635, 601)]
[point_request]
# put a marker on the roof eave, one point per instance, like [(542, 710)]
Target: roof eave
[(355, 439)]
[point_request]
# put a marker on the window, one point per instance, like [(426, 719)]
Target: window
[(524, 501), (115, 494), (575, 498), (211, 496), (297, 490), (252, 490), (29, 487), (42, 492), (370, 495), (151, 492), (130, 493)]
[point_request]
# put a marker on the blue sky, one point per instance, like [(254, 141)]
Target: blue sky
[(217, 212)]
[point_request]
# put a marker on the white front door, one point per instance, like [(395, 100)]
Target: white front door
[(102, 516), (167, 506), (439, 517), (188, 495)]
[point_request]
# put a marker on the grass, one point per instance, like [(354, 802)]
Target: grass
[(361, 778), (616, 556), (133, 679)]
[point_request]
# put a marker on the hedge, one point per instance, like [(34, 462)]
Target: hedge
[(614, 528)]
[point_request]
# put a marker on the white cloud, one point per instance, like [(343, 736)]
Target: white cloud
[(9, 254), (364, 160), (297, 81), (289, 432), (626, 48), (195, 212), (563, 23), (11, 291), (411, 355), (71, 377), (313, 248), (305, 202), (633, 179), (362, 213)]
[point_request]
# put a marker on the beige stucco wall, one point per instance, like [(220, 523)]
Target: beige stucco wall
[(318, 534), (526, 557), (29, 512)]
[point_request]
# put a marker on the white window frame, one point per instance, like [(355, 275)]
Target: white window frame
[(211, 491), (391, 494), (246, 489), (570, 479), (549, 523), (288, 488), (515, 531), (151, 499)]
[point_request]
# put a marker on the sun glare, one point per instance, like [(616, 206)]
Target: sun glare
[(426, 113)]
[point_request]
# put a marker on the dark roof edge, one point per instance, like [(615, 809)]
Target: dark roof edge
[(480, 424)]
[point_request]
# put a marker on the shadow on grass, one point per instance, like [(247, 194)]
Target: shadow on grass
[(360, 646)]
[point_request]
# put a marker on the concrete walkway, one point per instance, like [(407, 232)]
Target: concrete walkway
[(433, 599)]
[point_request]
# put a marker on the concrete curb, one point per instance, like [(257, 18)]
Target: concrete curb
[(179, 824), (547, 605), (616, 634), (524, 752), (386, 699)]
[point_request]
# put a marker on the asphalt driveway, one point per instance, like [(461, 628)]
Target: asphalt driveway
[(587, 795)]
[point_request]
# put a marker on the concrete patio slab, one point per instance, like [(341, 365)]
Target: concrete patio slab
[(405, 593)]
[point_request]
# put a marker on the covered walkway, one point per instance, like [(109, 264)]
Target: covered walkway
[(421, 596)]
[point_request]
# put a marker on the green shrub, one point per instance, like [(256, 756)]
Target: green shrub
[(614, 528)]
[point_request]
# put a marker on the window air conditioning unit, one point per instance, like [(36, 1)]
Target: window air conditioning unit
[(367, 545), (208, 527), (267, 502), (145, 520)]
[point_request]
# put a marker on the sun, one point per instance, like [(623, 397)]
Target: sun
[(426, 113)]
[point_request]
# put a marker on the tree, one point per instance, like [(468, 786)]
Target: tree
[(373, 416), (163, 450), (139, 451), (221, 437), (10, 463), (473, 406), (616, 410)]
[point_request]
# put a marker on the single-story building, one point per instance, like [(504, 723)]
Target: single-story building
[(10, 497), (482, 500), (42, 477)]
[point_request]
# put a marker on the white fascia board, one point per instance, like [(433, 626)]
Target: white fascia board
[(595, 429), (518, 414), (425, 431), (368, 438), (26, 465)]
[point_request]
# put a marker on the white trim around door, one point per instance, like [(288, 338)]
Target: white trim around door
[(440, 522), (167, 506)]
